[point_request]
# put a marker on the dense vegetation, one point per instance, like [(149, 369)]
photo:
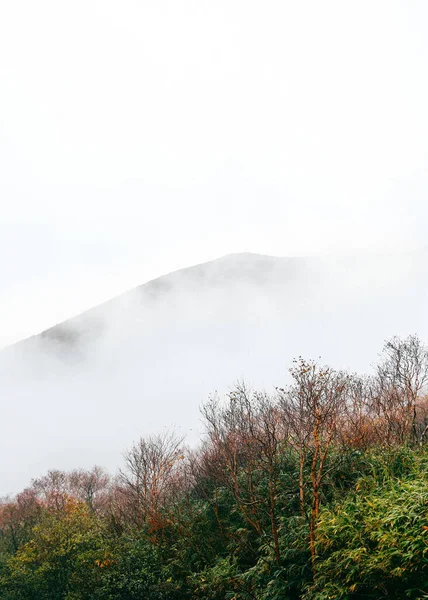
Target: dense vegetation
[(317, 491)]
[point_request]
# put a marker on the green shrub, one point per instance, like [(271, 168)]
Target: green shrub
[(375, 543)]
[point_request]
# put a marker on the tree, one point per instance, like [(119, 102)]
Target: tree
[(151, 469), (401, 378), (313, 406), (17, 519), (91, 487), (247, 439), (61, 561)]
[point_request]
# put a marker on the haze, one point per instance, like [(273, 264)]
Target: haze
[(137, 138)]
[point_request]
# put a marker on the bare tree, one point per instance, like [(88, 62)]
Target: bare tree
[(359, 426), (401, 379), (53, 489), (313, 407), (245, 441), (56, 487), (232, 452), (18, 517), (150, 472), (91, 487)]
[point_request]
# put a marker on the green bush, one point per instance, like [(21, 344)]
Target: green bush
[(375, 543)]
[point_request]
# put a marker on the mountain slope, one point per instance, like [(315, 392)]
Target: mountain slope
[(93, 384)]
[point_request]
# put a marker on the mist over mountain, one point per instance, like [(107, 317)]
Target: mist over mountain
[(81, 392)]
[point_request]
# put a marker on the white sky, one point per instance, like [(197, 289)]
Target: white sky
[(137, 137)]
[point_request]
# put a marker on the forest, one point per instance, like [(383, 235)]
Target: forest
[(316, 491)]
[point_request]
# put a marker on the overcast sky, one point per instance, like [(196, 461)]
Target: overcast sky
[(138, 137)]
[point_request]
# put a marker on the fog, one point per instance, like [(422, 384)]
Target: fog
[(141, 137), (82, 392)]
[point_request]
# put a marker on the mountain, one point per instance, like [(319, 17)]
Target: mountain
[(85, 389)]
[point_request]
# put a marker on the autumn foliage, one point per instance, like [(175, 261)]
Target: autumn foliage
[(317, 490)]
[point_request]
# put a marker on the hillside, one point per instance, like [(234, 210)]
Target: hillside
[(88, 387)]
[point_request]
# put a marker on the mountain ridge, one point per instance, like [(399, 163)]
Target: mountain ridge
[(241, 262), (155, 285), (147, 358)]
